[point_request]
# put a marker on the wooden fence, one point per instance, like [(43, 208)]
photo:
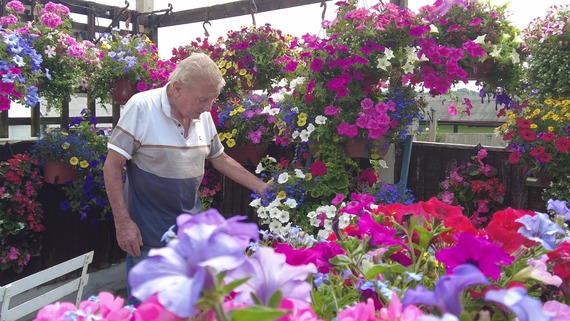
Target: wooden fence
[(68, 236)]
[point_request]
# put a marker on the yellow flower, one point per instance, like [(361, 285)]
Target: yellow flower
[(84, 164), (551, 129), (228, 65), (242, 72), (301, 122), (65, 145), (234, 131), (231, 52), (281, 195), (222, 136), (533, 126), (73, 161), (223, 71), (231, 142)]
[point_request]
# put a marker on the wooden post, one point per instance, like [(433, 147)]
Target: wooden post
[(35, 121), (116, 113), (64, 119), (4, 124)]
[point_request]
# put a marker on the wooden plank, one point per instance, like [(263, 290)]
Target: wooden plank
[(220, 11), (4, 124)]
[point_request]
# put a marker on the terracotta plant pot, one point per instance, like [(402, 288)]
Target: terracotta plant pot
[(481, 70), (122, 91), (247, 154), (364, 148), (59, 173)]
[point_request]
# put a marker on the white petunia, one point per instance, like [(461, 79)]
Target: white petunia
[(259, 168), (255, 203), (50, 51), (388, 54), (283, 178), (496, 51), (408, 67), (290, 202), (515, 58), (383, 63), (299, 173), (433, 28), (274, 226), (305, 135), (320, 120), (480, 40), (310, 128), (283, 217)]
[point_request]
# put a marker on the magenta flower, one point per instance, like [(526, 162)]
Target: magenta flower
[(469, 249)]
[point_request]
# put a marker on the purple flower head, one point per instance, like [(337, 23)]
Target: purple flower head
[(179, 272), (560, 207), (447, 291), (525, 307), (541, 229), (485, 255), (272, 273)]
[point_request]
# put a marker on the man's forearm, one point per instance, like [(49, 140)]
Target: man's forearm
[(237, 173)]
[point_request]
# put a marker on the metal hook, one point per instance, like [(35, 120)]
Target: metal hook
[(253, 10), (207, 21), (206, 33), (169, 11), (126, 4), (323, 4)]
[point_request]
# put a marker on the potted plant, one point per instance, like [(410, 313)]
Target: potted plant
[(126, 64), (547, 40), (538, 136), (246, 123), (253, 57), (20, 63), (21, 214), (485, 44)]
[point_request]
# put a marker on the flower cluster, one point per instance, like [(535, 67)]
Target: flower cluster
[(86, 195), (539, 136), (246, 120), (415, 262), (129, 56), (253, 57), (548, 44), (20, 63), (475, 187), (21, 215), (478, 37)]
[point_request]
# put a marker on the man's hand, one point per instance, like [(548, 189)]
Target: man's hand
[(129, 237)]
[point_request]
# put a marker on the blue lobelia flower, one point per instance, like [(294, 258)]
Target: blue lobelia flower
[(447, 291), (541, 229), (525, 307)]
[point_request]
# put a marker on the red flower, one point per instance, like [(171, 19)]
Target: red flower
[(561, 259), (537, 151), (548, 137), (503, 229), (544, 158), (515, 157), (562, 144), (509, 135), (318, 168), (524, 123), (527, 134)]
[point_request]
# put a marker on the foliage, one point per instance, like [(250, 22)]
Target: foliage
[(548, 45), (20, 63), (246, 119), (538, 135), (129, 56), (253, 57), (21, 215), (558, 190), (475, 187)]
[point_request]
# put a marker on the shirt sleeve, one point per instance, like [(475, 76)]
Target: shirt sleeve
[(125, 138)]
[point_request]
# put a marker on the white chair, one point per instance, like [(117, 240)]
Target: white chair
[(8, 291)]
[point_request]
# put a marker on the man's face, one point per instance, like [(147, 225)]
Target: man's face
[(190, 102)]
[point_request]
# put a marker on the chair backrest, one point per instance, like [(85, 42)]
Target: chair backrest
[(20, 286)]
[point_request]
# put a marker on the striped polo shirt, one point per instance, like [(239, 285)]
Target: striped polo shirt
[(165, 169)]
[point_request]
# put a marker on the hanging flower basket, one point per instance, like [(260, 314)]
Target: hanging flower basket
[(247, 154), (59, 173), (365, 148), (481, 70), (122, 91)]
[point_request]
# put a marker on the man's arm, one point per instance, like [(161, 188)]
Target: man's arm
[(237, 173), (128, 234)]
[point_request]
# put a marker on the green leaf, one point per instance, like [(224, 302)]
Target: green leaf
[(257, 313), (234, 284), (275, 299), (374, 271), (340, 260)]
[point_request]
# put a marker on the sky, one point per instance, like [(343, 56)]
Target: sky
[(297, 21)]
